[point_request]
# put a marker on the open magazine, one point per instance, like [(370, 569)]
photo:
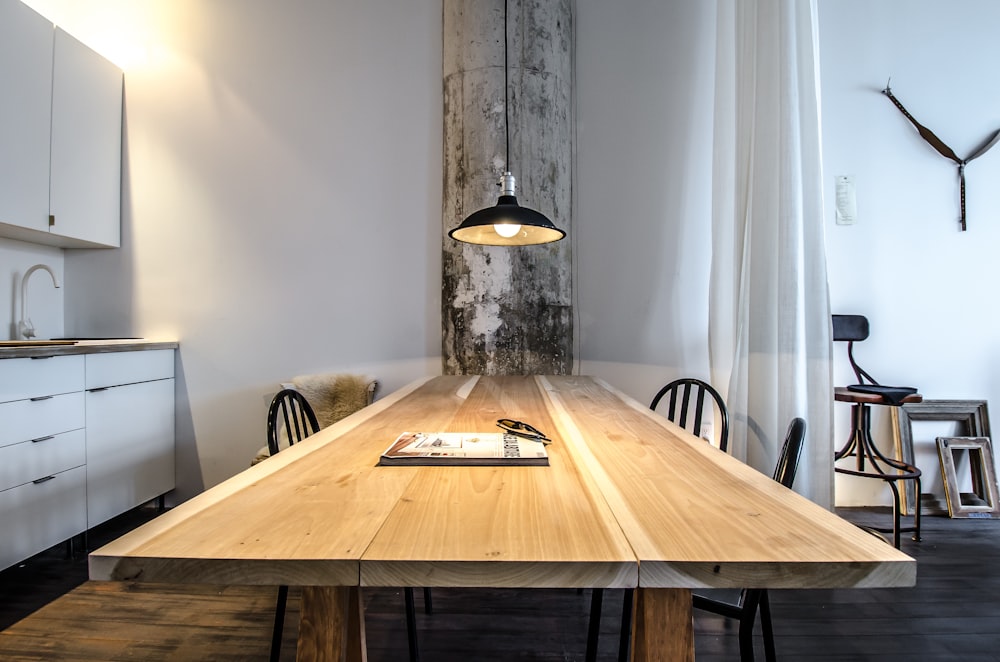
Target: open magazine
[(464, 448)]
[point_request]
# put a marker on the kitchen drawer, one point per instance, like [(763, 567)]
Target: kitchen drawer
[(130, 447), (30, 460), (37, 516), (117, 368), (28, 378), (24, 420)]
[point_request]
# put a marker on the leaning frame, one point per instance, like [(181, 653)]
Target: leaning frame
[(971, 413), (982, 474)]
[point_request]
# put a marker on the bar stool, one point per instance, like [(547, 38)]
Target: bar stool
[(871, 462)]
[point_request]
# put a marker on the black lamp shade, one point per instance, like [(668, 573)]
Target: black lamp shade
[(478, 228)]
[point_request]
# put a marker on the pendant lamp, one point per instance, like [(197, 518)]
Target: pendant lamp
[(508, 223)]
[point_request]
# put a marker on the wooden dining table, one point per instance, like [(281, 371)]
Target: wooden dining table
[(628, 500)]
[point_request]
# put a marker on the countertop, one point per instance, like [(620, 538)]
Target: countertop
[(86, 347)]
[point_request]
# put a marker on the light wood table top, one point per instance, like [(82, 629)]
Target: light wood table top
[(628, 500), (697, 517), (303, 517)]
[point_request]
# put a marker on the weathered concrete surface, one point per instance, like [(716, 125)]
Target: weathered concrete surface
[(507, 310)]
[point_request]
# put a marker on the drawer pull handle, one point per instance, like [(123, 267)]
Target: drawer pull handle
[(39, 358), (35, 441), (43, 480), (42, 397), (98, 390)]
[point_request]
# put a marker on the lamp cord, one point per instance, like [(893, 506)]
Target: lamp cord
[(506, 108)]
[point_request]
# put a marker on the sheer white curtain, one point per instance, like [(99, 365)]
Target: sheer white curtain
[(769, 308)]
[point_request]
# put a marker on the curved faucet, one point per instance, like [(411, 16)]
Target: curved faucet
[(25, 328)]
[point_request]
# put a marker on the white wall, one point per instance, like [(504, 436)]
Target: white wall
[(927, 288), (45, 303), (643, 208), (292, 152), (644, 72), (281, 209), (289, 153)]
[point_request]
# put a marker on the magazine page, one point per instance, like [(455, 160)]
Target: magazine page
[(464, 448)]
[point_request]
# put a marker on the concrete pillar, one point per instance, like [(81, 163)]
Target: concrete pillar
[(508, 310)]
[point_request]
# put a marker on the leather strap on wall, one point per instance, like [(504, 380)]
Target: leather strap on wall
[(943, 149)]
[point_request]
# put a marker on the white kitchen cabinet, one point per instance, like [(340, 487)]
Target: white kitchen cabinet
[(85, 191), (83, 438), (25, 378), (41, 457), (42, 454), (35, 418), (60, 135), (42, 513), (25, 116), (130, 430)]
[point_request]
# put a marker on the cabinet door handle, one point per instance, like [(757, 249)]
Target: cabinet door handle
[(35, 441), (43, 480), (39, 358), (97, 390), (41, 397)]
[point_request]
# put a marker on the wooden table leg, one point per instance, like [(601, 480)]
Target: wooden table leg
[(663, 629), (332, 625)]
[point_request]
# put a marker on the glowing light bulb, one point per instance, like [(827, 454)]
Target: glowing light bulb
[(506, 230)]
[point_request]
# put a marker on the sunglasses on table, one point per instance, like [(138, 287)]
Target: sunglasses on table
[(522, 430)]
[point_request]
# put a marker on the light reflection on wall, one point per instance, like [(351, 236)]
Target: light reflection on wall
[(129, 33)]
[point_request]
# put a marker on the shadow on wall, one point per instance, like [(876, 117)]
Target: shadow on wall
[(100, 282), (190, 479)]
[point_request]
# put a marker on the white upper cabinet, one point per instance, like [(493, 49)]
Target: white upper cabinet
[(85, 194), (60, 138), (25, 114)]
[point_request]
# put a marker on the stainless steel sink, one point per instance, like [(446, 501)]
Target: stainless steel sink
[(98, 338)]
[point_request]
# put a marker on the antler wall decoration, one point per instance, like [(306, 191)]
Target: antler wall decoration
[(943, 149)]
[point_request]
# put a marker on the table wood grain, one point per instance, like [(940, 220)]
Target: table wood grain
[(697, 517), (500, 526), (629, 500)]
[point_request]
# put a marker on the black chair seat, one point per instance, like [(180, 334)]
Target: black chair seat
[(754, 601)]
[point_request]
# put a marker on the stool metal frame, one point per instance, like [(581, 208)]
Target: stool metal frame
[(862, 446), (871, 462)]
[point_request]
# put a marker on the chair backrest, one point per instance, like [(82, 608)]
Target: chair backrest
[(290, 408), (788, 460), (852, 328), (683, 393)]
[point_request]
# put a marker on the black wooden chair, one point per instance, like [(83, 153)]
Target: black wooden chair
[(751, 601), (685, 401), (289, 412), (688, 396), (870, 461), (755, 600)]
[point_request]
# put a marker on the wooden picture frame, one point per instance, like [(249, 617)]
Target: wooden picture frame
[(971, 415), (982, 501)]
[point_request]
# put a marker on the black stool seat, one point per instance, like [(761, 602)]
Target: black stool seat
[(873, 394)]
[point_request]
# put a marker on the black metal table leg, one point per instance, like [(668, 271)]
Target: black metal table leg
[(594, 627), (411, 627)]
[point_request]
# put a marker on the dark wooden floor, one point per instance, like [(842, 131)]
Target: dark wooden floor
[(952, 614)]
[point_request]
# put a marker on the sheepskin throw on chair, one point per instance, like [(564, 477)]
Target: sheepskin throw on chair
[(333, 396)]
